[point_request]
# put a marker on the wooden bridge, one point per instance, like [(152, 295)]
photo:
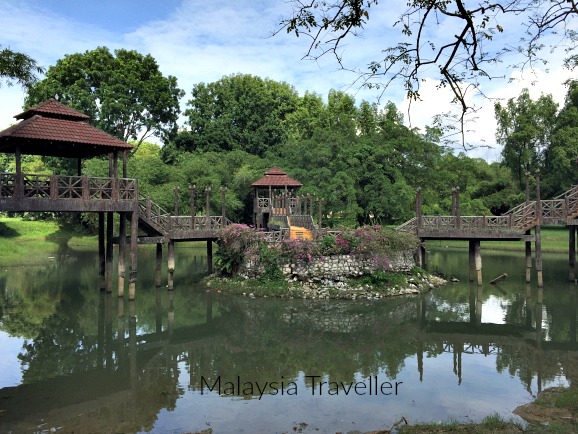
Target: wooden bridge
[(516, 224)]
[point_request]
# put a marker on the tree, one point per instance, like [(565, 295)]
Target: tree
[(463, 56), (524, 128), (561, 156), (240, 112), (19, 67), (125, 94)]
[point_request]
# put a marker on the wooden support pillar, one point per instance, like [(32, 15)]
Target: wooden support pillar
[(572, 253), (478, 260), (171, 264), (223, 194), (19, 181), (208, 207), (319, 212), (538, 240), (79, 166), (418, 203), (528, 243), (121, 253), (133, 255), (109, 250), (158, 264), (210, 256), (192, 189), (528, 258), (176, 190), (458, 212), (124, 161), (101, 252)]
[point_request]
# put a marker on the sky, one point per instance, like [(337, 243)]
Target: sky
[(202, 41)]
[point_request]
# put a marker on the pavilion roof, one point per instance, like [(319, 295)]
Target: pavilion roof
[(275, 177), (52, 128)]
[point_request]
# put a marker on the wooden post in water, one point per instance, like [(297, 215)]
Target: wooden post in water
[(101, 252), (478, 260), (121, 253), (192, 189), (538, 240), (133, 252), (571, 252), (158, 264), (171, 264), (528, 232)]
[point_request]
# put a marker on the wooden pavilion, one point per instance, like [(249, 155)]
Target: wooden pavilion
[(274, 183), (54, 129)]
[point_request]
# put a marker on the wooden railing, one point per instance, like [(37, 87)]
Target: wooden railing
[(522, 217), (67, 187), (201, 223)]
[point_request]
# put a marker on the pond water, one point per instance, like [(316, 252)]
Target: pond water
[(73, 359)]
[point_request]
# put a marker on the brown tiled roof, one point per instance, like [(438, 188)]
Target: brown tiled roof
[(39, 135), (53, 108), (275, 177)]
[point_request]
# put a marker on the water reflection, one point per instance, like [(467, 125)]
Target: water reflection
[(93, 362)]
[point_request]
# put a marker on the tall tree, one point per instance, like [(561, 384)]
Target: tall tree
[(524, 128), (462, 58), (240, 112), (124, 93), (561, 157), (18, 67)]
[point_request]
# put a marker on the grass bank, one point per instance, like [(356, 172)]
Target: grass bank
[(554, 239), (31, 242)]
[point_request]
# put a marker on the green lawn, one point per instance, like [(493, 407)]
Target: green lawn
[(29, 242), (554, 239)]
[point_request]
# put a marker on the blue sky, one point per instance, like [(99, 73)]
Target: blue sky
[(201, 41)]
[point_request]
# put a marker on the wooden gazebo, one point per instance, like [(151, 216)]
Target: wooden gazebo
[(274, 183), (54, 129)]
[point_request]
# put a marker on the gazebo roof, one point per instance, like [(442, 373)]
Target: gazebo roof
[(276, 178), (52, 128)]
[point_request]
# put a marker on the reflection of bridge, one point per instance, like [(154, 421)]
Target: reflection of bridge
[(476, 337), (135, 376), (515, 225)]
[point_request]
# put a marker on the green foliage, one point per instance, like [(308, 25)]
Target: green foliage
[(236, 242), (269, 259), (18, 67), (238, 112), (524, 128), (124, 93)]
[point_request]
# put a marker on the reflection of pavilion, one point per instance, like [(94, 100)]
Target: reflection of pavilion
[(508, 341), (115, 395), (135, 375)]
